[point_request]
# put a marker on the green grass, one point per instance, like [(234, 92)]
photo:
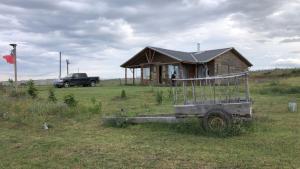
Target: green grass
[(77, 139)]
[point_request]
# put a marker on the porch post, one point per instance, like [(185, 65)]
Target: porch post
[(196, 69), (133, 78), (157, 74), (125, 76), (142, 74), (180, 70)]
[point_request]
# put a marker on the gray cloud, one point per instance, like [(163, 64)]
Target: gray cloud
[(103, 34), (290, 40)]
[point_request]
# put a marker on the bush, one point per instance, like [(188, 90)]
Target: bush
[(123, 94), (97, 107), (32, 91), (70, 100), (118, 120), (52, 97), (159, 97), (10, 82)]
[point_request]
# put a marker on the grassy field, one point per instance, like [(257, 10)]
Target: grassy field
[(77, 139)]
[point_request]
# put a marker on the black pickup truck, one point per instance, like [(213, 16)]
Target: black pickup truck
[(76, 79)]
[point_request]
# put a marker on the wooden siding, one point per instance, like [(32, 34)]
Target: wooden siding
[(228, 63)]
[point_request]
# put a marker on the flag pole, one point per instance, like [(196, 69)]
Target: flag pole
[(59, 65), (15, 65)]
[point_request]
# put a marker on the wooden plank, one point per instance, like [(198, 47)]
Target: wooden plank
[(166, 118), (142, 74), (133, 77), (193, 88), (125, 76)]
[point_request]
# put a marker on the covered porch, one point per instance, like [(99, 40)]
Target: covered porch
[(152, 67)]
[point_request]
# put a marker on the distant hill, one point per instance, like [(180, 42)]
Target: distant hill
[(257, 74)]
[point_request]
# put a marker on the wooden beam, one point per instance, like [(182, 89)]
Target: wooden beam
[(157, 74), (196, 71), (147, 57), (142, 75), (125, 76), (180, 71), (133, 78), (152, 56)]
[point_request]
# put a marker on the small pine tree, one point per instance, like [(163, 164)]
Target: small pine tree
[(32, 91), (52, 97), (123, 94), (70, 100)]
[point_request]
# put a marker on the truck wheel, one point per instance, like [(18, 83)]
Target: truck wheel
[(93, 84), (66, 84), (217, 121)]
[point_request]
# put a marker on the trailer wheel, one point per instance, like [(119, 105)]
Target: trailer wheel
[(217, 121)]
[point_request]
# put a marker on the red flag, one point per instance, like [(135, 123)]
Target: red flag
[(10, 59)]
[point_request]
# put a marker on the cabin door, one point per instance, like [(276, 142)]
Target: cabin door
[(192, 72), (160, 74)]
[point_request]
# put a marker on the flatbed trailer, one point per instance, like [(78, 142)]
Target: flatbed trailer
[(214, 100)]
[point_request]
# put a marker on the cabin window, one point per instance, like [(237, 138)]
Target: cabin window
[(146, 73), (173, 69)]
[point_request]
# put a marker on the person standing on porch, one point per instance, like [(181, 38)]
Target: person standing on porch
[(173, 76)]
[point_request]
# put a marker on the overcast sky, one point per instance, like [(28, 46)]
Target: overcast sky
[(98, 36)]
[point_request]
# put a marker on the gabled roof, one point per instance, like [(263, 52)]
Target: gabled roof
[(178, 55), (193, 57), (208, 55)]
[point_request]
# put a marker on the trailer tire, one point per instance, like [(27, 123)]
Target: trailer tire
[(217, 121)]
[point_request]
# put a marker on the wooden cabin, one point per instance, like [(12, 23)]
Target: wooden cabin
[(157, 64)]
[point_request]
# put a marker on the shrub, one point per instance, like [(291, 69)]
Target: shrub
[(52, 97), (70, 100), (159, 97), (97, 107), (10, 82), (118, 120), (32, 91), (123, 94)]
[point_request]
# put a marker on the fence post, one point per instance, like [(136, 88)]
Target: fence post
[(184, 91), (194, 95), (247, 87)]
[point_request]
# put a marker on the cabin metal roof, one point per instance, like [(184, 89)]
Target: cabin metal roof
[(193, 57)]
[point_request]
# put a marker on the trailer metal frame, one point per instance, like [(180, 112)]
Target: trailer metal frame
[(215, 100)]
